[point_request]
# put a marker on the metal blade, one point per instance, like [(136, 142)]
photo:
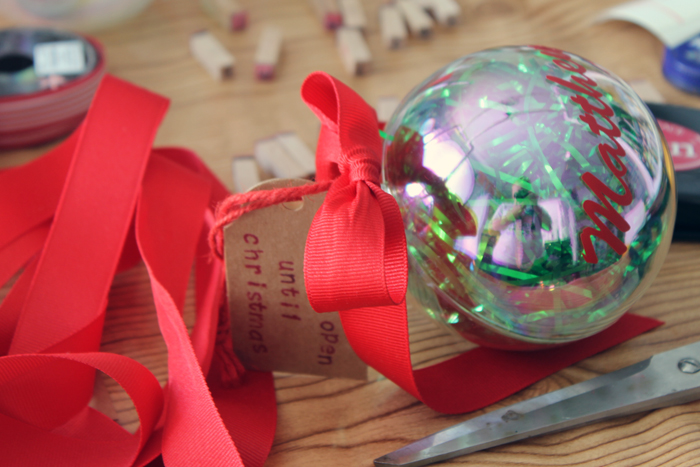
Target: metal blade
[(665, 379)]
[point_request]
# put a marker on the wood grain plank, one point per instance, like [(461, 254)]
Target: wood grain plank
[(341, 422)]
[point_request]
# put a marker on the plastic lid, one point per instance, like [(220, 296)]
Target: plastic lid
[(682, 65), (683, 144)]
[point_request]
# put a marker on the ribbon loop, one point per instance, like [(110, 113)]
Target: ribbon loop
[(356, 250), (349, 125)]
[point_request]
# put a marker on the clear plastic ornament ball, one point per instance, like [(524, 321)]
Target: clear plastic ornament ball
[(537, 196)]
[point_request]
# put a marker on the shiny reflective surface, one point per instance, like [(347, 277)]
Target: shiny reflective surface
[(520, 232), (650, 384)]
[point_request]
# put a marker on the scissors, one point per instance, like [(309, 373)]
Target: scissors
[(665, 379)]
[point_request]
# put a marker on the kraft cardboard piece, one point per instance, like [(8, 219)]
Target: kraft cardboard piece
[(212, 55), (273, 325), (393, 27), (354, 51), (268, 53), (420, 24), (228, 13), (245, 173)]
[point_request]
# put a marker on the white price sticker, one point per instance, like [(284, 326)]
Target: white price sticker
[(59, 58)]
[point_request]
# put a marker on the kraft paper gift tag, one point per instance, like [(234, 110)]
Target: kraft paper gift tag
[(273, 325)]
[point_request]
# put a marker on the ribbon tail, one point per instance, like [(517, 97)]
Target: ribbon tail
[(476, 378)]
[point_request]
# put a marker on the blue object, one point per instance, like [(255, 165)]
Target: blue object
[(682, 65)]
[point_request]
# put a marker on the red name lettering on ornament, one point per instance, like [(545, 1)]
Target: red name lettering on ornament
[(596, 115), (254, 294)]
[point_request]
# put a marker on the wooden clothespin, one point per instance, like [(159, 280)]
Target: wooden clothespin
[(329, 13), (353, 14), (419, 22), (298, 150), (445, 12), (228, 13), (212, 55), (353, 51), (245, 173), (392, 26), (268, 53), (274, 159)]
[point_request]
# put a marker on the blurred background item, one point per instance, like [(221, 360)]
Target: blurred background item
[(80, 15), (673, 22), (47, 80), (676, 23), (682, 65)]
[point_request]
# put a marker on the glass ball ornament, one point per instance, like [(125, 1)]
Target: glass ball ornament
[(537, 195)]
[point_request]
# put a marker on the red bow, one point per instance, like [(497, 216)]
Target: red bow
[(359, 224)]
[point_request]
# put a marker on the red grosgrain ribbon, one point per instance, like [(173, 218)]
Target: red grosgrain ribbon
[(94, 205), (355, 262), (358, 221)]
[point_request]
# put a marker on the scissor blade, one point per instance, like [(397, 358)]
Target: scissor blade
[(653, 383), (462, 438)]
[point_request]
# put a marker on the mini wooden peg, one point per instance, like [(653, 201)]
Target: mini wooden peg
[(212, 55), (427, 5), (353, 51), (419, 22), (329, 13), (245, 173), (386, 107), (446, 12), (274, 159), (228, 13), (353, 14), (392, 26), (299, 151), (268, 53)]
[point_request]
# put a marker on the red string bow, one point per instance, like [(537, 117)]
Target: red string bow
[(358, 222)]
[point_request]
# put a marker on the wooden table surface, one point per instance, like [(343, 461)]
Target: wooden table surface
[(337, 422)]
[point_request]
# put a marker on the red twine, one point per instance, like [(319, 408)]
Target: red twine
[(238, 204)]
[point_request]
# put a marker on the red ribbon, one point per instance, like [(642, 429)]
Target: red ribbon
[(355, 263), (103, 200), (358, 222), (98, 203)]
